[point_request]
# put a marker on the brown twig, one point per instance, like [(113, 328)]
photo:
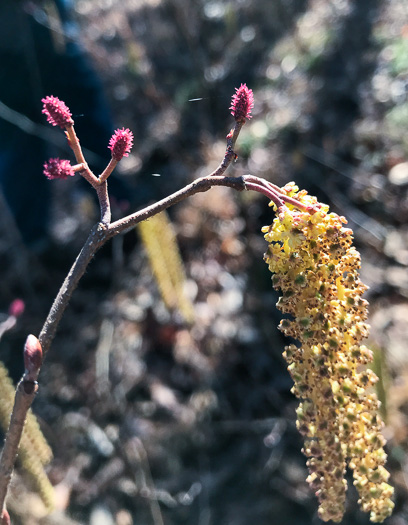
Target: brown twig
[(230, 154), (263, 188), (100, 185), (108, 170), (22, 403), (275, 193), (102, 193), (199, 185), (99, 235), (95, 240), (25, 393), (74, 144)]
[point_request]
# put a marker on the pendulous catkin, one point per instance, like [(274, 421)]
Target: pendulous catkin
[(159, 240), (316, 268)]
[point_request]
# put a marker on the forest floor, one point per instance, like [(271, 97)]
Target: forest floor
[(153, 420)]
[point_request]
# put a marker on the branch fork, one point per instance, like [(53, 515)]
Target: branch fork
[(35, 350)]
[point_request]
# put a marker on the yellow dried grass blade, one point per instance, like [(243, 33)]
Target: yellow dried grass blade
[(34, 452)]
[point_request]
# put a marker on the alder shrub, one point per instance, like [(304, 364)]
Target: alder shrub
[(316, 267)]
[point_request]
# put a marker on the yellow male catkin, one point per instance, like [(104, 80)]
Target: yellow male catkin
[(160, 242), (317, 269)]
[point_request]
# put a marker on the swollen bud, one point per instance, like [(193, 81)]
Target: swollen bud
[(5, 518), (33, 357)]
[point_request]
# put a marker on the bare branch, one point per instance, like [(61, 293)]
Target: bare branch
[(104, 204), (199, 185), (35, 349), (95, 240), (108, 170), (25, 394)]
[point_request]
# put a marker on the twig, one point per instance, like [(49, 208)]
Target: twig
[(230, 155), (102, 193), (58, 114), (74, 144), (22, 403), (108, 170), (100, 234), (199, 185), (95, 240)]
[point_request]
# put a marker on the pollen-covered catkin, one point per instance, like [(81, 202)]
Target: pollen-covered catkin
[(317, 269)]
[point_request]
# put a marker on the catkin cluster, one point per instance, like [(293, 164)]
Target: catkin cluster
[(317, 269)]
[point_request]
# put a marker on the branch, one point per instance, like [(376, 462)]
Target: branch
[(95, 240), (27, 388), (199, 185), (99, 185), (230, 154), (108, 170), (101, 233), (25, 393), (120, 145), (22, 403), (104, 204)]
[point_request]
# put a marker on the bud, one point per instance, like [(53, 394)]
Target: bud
[(58, 169), (121, 143), (32, 357), (57, 112), (16, 308), (242, 103)]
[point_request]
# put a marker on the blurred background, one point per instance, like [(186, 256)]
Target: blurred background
[(151, 419)]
